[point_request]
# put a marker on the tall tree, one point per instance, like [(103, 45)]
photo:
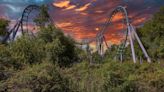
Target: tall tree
[(43, 16), (3, 26), (152, 34)]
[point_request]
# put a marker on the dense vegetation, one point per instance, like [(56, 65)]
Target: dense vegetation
[(3, 25), (153, 36), (52, 63)]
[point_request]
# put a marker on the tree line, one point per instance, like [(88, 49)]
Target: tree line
[(51, 62)]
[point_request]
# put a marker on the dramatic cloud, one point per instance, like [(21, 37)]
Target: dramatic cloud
[(84, 18), (83, 8), (62, 4)]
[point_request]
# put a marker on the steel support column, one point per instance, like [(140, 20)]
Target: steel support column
[(141, 45), (131, 44)]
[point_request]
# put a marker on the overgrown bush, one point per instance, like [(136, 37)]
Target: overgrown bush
[(59, 48), (116, 77), (42, 77)]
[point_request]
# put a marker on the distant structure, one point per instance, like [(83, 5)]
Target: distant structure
[(131, 35), (24, 23)]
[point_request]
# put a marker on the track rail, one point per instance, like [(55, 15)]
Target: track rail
[(130, 32), (99, 39), (22, 24)]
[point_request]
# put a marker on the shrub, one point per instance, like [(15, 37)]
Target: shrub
[(42, 77)]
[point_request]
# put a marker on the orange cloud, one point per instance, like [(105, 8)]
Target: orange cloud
[(97, 29), (67, 6), (63, 25), (139, 20), (99, 11), (62, 4), (85, 18), (83, 8), (70, 7), (117, 17)]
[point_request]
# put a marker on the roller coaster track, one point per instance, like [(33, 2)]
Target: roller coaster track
[(130, 32), (108, 22), (100, 35), (22, 23), (99, 39), (25, 16)]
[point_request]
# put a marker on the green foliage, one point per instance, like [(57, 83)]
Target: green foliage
[(6, 63), (116, 77), (59, 49), (26, 56), (43, 16), (111, 53), (42, 77), (51, 62), (50, 44), (152, 35), (27, 51), (3, 25)]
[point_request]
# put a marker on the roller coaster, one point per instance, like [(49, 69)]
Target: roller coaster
[(130, 32)]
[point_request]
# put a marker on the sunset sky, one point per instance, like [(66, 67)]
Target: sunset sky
[(84, 18)]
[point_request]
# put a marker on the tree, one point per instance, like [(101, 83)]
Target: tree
[(50, 43), (152, 35), (42, 77), (27, 51), (59, 48), (43, 16), (3, 25)]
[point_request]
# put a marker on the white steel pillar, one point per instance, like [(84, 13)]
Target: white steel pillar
[(141, 45), (132, 44)]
